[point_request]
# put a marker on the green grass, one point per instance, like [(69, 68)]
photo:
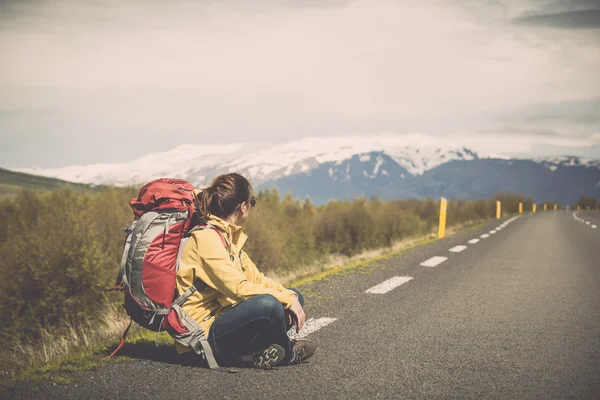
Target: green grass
[(62, 371), (69, 369), (11, 183)]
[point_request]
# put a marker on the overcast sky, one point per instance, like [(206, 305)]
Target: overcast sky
[(105, 81)]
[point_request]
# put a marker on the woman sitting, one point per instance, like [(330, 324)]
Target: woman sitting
[(241, 310)]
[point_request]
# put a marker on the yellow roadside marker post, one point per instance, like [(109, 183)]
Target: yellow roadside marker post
[(520, 208), (442, 225), (498, 208), (545, 207), (555, 208), (534, 208), (588, 208), (577, 207)]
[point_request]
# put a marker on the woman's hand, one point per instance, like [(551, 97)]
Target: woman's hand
[(298, 312)]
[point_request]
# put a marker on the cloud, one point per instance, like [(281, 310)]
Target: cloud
[(486, 8), (578, 116), (26, 112), (586, 19), (227, 71), (561, 6), (562, 14), (577, 119), (570, 124)]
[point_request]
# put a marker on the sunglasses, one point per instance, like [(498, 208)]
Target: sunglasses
[(251, 201)]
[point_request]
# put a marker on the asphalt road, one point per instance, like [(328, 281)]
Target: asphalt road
[(514, 316), (592, 216)]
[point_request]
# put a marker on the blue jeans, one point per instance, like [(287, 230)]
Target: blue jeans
[(250, 326)]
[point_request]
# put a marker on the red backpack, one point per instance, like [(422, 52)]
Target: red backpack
[(163, 214)]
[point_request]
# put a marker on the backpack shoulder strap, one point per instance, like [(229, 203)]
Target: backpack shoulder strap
[(208, 226), (220, 235), (189, 233)]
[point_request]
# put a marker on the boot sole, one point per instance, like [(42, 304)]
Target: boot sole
[(269, 357)]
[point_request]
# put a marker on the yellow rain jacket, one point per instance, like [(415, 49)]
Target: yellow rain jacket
[(229, 274)]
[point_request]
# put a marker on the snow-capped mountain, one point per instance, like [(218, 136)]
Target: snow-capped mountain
[(182, 161), (200, 163), (377, 174), (365, 174), (387, 166), (553, 162), (305, 154)]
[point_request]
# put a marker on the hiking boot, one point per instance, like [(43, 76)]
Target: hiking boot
[(303, 349), (269, 357)]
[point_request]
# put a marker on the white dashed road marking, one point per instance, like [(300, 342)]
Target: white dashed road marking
[(434, 261), (437, 260), (583, 221), (458, 249), (388, 285), (311, 325)]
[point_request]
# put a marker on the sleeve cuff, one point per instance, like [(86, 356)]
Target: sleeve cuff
[(290, 299)]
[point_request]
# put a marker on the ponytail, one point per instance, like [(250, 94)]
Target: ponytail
[(223, 196), (203, 200)]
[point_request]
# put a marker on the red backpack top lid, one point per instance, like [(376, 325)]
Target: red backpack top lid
[(163, 194)]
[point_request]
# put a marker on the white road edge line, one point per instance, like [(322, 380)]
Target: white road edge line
[(473, 241), (433, 261), (492, 232), (390, 284), (587, 222), (485, 236), (593, 226), (311, 325), (458, 249)]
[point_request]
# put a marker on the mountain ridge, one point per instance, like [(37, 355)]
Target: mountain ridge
[(346, 167), (198, 163)]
